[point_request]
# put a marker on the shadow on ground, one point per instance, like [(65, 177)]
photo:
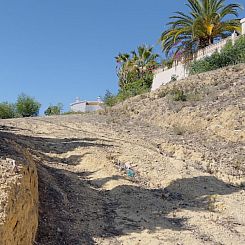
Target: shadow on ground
[(74, 209), (38, 146)]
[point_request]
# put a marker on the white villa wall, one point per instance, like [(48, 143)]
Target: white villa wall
[(79, 106), (216, 47), (85, 106), (243, 26), (93, 108), (164, 77)]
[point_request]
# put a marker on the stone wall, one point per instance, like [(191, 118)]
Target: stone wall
[(18, 196)]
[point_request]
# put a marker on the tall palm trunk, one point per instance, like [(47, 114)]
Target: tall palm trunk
[(204, 42)]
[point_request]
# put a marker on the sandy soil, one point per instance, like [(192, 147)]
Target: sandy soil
[(86, 196)]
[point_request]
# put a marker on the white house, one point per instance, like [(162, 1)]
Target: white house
[(86, 106), (180, 71)]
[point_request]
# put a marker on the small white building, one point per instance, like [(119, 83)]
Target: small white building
[(86, 106)]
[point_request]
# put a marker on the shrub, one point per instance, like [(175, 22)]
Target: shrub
[(178, 95), (27, 106), (194, 96), (109, 98), (54, 110), (7, 110), (136, 87), (132, 89), (229, 55)]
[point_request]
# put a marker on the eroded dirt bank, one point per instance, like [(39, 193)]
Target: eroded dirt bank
[(188, 159), (18, 193)]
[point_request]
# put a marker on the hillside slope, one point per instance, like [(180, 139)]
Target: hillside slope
[(210, 121), (187, 157)]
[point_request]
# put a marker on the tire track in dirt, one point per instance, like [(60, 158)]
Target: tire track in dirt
[(85, 199)]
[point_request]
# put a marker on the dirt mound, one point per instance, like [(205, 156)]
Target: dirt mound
[(202, 116)]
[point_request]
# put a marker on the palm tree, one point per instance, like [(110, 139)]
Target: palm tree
[(121, 58), (144, 57), (206, 22), (136, 62), (123, 64)]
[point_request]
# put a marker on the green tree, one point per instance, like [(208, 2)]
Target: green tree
[(135, 73), (206, 21), (54, 110), (109, 99), (144, 58), (7, 110), (123, 67), (27, 106), (136, 65)]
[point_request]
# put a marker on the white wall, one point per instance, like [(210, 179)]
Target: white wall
[(93, 107), (79, 106), (84, 106), (216, 47), (164, 77), (243, 26)]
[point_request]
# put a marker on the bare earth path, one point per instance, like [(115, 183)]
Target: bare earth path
[(85, 198)]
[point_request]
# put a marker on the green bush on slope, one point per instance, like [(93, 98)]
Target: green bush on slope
[(27, 106), (229, 55), (54, 110), (7, 110)]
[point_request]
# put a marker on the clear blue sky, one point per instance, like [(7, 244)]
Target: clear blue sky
[(55, 50)]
